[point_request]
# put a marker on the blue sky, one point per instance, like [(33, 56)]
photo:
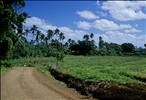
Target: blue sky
[(115, 21)]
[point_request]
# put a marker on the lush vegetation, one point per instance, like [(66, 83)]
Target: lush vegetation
[(117, 69), (11, 22), (15, 44), (14, 41)]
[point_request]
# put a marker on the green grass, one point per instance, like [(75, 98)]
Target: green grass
[(39, 63), (4, 69), (32, 61), (112, 68)]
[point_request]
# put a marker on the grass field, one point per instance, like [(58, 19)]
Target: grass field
[(105, 68), (111, 68)]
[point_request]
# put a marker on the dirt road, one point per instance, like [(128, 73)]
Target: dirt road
[(28, 84)]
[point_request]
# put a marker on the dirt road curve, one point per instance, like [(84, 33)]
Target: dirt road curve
[(28, 84)]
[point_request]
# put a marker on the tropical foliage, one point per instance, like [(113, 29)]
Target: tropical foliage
[(17, 41)]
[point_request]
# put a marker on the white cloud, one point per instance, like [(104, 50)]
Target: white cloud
[(34, 21), (40, 23), (125, 10), (84, 25), (132, 30), (119, 37), (107, 25), (87, 14), (103, 25), (102, 13)]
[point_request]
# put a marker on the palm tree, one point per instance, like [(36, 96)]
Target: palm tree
[(22, 37), (25, 33), (46, 40), (38, 36), (42, 37), (101, 42), (50, 34), (91, 35), (69, 41), (86, 37), (57, 31), (61, 36), (34, 29)]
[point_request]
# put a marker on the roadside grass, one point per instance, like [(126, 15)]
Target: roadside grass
[(4, 69), (31, 62), (37, 62), (110, 68), (5, 66)]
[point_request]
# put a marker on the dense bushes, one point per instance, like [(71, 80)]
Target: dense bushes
[(5, 63), (10, 22), (88, 47)]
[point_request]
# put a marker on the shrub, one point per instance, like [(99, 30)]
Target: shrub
[(5, 63)]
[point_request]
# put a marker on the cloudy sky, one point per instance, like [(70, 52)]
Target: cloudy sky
[(115, 21)]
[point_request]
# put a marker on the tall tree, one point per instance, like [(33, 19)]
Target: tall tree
[(57, 31), (69, 40), (128, 47), (42, 37), (91, 35), (86, 37), (101, 42), (34, 30), (50, 34), (38, 36), (11, 24), (61, 36)]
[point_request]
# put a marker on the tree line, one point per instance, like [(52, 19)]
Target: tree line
[(53, 44)]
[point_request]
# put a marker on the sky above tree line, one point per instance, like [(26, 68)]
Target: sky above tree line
[(115, 21)]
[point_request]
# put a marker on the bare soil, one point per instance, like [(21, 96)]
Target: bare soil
[(26, 83)]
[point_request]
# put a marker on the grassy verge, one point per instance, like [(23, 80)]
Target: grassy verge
[(39, 63), (43, 69), (31, 62), (5, 65), (5, 69)]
